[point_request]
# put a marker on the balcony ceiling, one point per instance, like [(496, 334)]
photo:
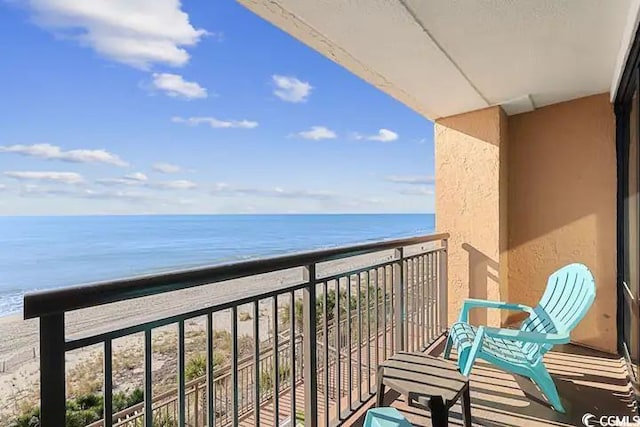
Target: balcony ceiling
[(443, 57)]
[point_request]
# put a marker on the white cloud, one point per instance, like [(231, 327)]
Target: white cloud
[(112, 182), (412, 179), (291, 89), (180, 184), (358, 202), (317, 133), (139, 33), (383, 135), (176, 86), (299, 194), (215, 123), (276, 192), (61, 177), (418, 191), (117, 195), (53, 152), (3, 187), (136, 177), (88, 193), (163, 167), (141, 180)]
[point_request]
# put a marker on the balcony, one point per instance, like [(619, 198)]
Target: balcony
[(328, 329)]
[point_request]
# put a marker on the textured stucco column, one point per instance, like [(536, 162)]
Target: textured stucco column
[(471, 191)]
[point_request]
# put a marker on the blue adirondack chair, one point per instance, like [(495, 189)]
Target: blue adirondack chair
[(569, 294)]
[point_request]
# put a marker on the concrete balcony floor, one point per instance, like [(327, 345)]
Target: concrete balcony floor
[(588, 382)]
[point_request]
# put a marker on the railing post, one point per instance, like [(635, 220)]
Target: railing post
[(52, 371), (444, 287), (310, 340), (211, 421), (195, 411), (398, 310)]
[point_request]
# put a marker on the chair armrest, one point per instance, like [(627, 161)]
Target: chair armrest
[(481, 303), (496, 304), (527, 336)]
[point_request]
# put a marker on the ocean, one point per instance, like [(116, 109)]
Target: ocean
[(48, 252)]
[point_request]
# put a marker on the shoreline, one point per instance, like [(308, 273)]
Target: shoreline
[(19, 352)]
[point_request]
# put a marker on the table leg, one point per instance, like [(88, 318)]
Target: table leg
[(439, 412), (466, 406), (380, 389)]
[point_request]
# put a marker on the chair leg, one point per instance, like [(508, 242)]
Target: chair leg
[(466, 407), (447, 348), (380, 389), (462, 359), (542, 378), (439, 412), (465, 363)]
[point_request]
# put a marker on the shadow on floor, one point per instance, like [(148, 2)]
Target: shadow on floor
[(588, 382)]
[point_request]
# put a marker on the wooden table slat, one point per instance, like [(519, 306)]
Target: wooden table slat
[(421, 377)]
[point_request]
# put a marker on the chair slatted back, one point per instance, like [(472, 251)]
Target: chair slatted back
[(569, 295)]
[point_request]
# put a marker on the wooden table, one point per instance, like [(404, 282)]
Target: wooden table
[(428, 383)]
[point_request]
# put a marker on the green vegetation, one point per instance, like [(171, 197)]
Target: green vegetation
[(84, 382), (82, 410), (285, 315), (331, 306), (285, 372), (164, 420), (197, 366), (266, 378), (266, 381)]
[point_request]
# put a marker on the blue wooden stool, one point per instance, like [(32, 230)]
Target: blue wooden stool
[(385, 417)]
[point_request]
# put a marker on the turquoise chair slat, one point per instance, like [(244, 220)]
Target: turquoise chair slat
[(570, 293)]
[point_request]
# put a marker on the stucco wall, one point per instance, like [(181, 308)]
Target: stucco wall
[(562, 205), (470, 206)]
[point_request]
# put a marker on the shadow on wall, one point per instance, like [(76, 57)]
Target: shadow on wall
[(481, 269), (475, 125)]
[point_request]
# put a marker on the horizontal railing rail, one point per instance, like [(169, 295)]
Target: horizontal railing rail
[(345, 321)]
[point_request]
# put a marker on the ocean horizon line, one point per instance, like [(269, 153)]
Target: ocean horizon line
[(216, 214)]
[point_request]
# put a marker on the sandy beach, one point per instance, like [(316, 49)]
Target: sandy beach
[(19, 363)]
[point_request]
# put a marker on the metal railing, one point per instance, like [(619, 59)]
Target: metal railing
[(396, 302), (165, 405)]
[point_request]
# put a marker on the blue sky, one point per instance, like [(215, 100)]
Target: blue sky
[(157, 106)]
